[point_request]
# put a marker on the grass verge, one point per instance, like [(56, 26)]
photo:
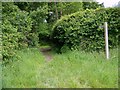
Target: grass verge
[(73, 69), (23, 72), (77, 69)]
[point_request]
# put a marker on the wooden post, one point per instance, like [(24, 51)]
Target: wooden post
[(106, 40)]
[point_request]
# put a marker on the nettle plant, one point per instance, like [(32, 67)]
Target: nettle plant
[(82, 29)]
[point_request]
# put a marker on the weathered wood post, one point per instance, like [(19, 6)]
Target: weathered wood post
[(106, 40)]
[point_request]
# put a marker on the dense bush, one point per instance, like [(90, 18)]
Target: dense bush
[(40, 25), (16, 29), (23, 26), (26, 24), (84, 30)]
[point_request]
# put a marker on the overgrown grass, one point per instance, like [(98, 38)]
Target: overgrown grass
[(80, 70), (73, 69), (23, 72), (0, 75)]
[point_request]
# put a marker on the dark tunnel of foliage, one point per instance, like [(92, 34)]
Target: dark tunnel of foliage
[(71, 25)]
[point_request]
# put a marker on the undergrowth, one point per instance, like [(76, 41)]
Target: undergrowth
[(23, 72), (73, 69)]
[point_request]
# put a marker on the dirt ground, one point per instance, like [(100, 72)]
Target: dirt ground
[(47, 53)]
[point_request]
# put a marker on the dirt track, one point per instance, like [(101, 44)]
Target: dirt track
[(47, 53)]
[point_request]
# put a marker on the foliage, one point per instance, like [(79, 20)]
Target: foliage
[(83, 29), (40, 25), (16, 29), (28, 6), (92, 5), (26, 24), (58, 9), (71, 7), (73, 69), (39, 14), (113, 25), (23, 24)]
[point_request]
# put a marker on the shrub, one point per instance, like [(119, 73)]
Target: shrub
[(22, 27), (82, 29), (16, 29), (40, 25)]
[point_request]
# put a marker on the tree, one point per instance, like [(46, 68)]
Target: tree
[(92, 5), (72, 7)]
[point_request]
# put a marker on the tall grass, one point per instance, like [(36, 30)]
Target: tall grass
[(77, 69), (73, 69), (23, 72), (0, 75)]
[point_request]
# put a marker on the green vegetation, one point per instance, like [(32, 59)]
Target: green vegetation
[(73, 69), (40, 44), (28, 24), (23, 71), (0, 74), (85, 29), (16, 29)]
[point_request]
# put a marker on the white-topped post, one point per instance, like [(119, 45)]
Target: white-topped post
[(106, 40)]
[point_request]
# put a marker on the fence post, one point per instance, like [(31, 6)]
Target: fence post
[(106, 40)]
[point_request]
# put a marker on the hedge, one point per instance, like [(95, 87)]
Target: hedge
[(84, 30), (16, 30), (22, 28)]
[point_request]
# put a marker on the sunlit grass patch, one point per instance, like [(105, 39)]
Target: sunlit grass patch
[(23, 72), (73, 69), (81, 70)]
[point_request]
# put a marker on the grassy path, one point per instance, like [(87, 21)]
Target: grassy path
[(74, 69)]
